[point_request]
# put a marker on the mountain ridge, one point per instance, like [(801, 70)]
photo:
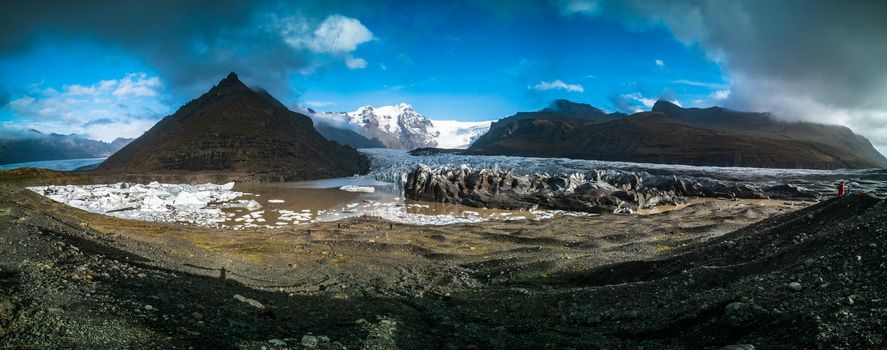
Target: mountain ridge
[(32, 145), (671, 134)]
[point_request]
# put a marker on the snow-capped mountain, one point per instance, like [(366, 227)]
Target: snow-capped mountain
[(401, 127), (398, 126)]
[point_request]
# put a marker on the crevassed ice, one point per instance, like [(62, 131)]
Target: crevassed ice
[(394, 165)]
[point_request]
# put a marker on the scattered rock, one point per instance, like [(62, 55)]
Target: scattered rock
[(252, 302), (309, 341), (7, 309), (739, 347), (795, 286)]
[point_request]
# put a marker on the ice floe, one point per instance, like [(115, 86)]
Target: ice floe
[(353, 188), (151, 202)]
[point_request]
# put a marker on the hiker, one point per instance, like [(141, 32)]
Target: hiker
[(841, 189)]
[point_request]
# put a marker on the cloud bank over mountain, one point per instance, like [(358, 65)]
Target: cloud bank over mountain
[(194, 42), (813, 60)]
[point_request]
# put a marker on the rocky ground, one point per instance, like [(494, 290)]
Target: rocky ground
[(766, 275)]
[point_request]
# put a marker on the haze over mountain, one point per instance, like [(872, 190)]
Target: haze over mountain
[(347, 136), (402, 127), (245, 134), (32, 145), (673, 135)]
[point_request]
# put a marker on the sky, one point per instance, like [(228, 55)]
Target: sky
[(109, 68)]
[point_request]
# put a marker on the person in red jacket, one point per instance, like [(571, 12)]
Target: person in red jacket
[(841, 189)]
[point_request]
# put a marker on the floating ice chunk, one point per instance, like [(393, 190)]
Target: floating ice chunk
[(150, 203), (188, 199), (276, 201), (247, 204), (354, 188)]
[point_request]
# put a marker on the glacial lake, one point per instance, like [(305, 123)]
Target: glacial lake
[(60, 165)]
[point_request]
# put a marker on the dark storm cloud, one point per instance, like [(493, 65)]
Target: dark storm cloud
[(819, 60), (190, 43), (100, 121), (832, 51)]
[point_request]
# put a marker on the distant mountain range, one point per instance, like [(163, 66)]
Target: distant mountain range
[(33, 145), (399, 127), (670, 134), (236, 133)]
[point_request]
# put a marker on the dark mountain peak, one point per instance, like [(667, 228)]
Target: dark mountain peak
[(230, 84), (666, 107), (265, 95), (570, 107), (236, 133)]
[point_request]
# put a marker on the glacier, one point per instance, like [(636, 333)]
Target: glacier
[(393, 166)]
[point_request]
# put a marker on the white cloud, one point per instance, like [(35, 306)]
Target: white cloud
[(135, 84), (108, 109), (659, 63), (340, 34), (699, 83), (318, 103), (355, 62), (336, 35), (558, 84), (720, 95), (76, 90), (570, 7), (645, 101)]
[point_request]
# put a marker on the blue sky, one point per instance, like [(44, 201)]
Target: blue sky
[(477, 65), (107, 68), (450, 62)]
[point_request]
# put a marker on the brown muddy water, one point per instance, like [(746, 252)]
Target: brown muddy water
[(323, 200)]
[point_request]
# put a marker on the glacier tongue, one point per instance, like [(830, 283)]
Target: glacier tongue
[(454, 134)]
